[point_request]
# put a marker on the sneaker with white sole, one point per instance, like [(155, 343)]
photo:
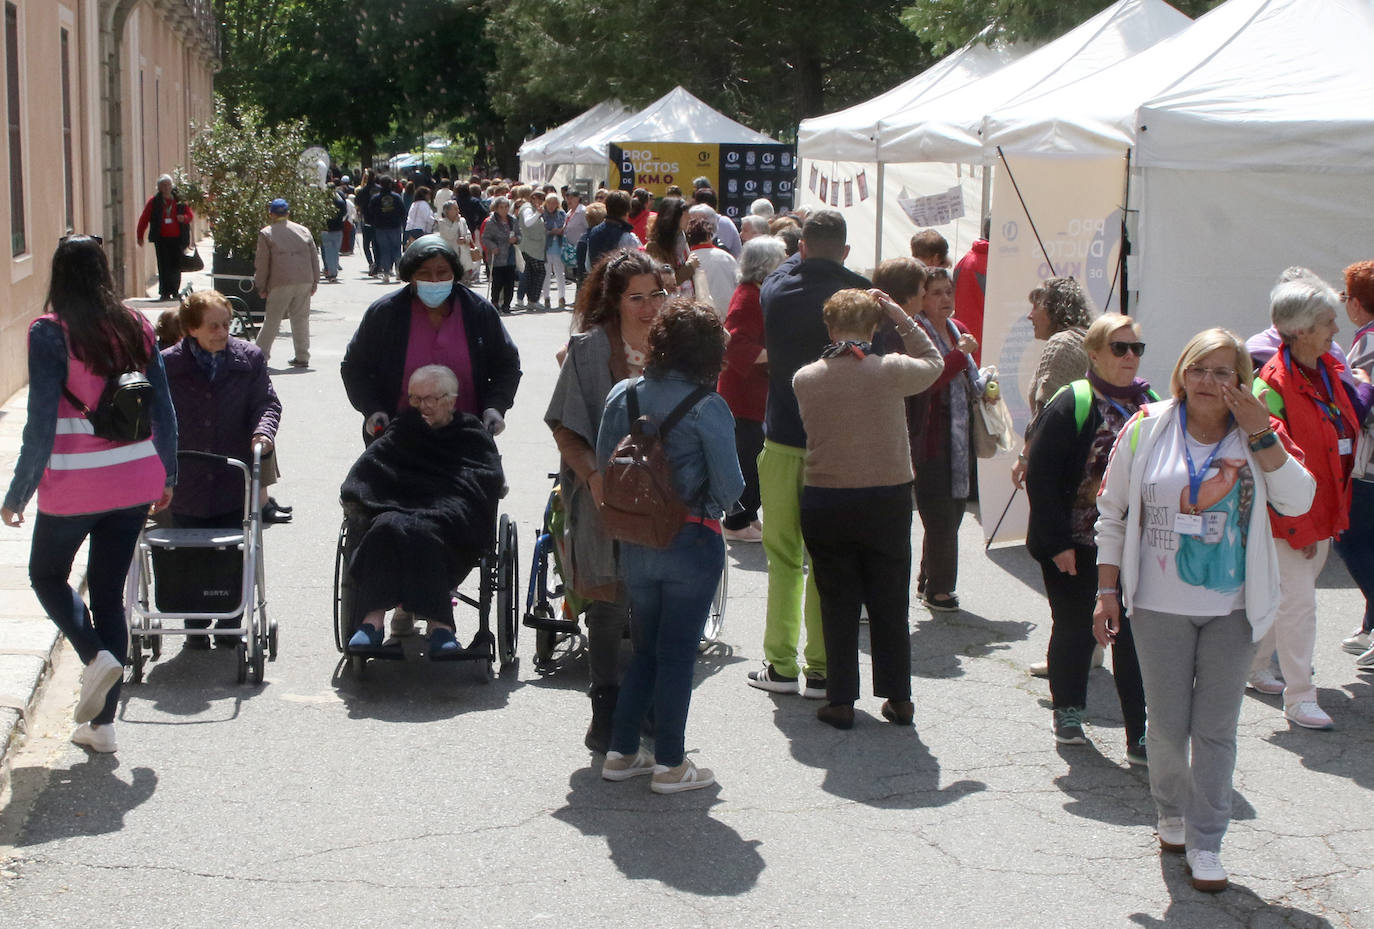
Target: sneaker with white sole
[(1307, 714), (618, 767), (1266, 682), (1138, 753), (685, 776), (1042, 668), (1366, 660), (96, 738), (1207, 873), (814, 689), (747, 534), (1357, 642), (100, 675), (1068, 726), (767, 678), (1172, 832)]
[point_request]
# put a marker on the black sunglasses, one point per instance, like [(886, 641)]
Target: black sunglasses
[(1119, 349)]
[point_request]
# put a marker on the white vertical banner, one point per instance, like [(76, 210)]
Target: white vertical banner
[(1075, 204)]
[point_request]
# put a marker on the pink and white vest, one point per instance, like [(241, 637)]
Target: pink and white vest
[(86, 474)]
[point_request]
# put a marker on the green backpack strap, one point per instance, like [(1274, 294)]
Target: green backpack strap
[(1082, 400)]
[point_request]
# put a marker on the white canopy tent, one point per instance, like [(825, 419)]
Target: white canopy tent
[(554, 156), (677, 116), (843, 146)]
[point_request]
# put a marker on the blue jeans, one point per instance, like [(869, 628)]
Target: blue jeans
[(387, 248), (330, 243), (1356, 544), (370, 247), (670, 597), (102, 627)]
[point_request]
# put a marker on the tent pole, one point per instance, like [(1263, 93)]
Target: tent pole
[(1025, 209), (985, 216), (878, 224), (1125, 249)]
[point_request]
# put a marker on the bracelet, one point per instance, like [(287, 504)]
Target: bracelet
[(1104, 591), (1266, 440), (1256, 436)]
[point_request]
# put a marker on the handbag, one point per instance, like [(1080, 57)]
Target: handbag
[(992, 424), (569, 254), (190, 260)]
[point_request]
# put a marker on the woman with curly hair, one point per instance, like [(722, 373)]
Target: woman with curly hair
[(671, 588)]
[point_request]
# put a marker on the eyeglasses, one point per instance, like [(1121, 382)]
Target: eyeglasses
[(1197, 375), (656, 296), (418, 401), (1119, 349), (1343, 296)]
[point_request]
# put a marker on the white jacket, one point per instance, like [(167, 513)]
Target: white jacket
[(1289, 490)]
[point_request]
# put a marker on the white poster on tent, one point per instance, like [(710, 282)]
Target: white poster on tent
[(1076, 208)]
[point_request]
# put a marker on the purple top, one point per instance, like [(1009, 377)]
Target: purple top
[(447, 346)]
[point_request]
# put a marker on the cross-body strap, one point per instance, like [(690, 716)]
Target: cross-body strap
[(679, 411)]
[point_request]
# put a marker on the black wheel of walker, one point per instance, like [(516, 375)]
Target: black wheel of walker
[(155, 641), (715, 620), (272, 640), (507, 582), (241, 651), (136, 659)]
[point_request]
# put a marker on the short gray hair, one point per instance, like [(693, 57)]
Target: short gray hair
[(758, 223), (1295, 305), (500, 201), (762, 207), (440, 374), (759, 257)]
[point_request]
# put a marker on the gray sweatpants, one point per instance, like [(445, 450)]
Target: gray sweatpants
[(1194, 670)]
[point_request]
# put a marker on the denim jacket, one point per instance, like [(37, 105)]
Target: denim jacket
[(701, 447), (47, 374)]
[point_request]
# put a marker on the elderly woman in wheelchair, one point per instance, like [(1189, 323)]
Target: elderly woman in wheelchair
[(424, 496)]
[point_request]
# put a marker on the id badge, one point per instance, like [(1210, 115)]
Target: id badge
[(1345, 446), (1188, 524)]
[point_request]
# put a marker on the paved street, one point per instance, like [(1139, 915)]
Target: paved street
[(418, 795)]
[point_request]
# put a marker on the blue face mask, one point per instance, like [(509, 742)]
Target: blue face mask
[(433, 293)]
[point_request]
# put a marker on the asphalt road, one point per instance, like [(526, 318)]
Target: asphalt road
[(418, 795)]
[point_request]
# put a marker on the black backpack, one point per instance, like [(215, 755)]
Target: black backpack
[(638, 501), (125, 411)]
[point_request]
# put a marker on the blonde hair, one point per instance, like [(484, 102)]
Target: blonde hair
[(1096, 337), (1202, 345), (192, 312), (851, 311)]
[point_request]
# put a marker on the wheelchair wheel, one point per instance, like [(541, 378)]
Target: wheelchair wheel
[(715, 620), (507, 627), (345, 622)]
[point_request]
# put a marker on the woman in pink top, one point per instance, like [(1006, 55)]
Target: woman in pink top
[(89, 487)]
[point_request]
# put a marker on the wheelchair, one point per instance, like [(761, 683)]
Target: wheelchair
[(552, 609), (213, 576), (496, 582)]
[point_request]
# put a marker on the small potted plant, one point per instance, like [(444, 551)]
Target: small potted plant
[(239, 164)]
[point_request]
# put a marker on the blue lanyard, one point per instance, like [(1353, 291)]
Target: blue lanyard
[(1195, 476), (1125, 413), (1330, 407)]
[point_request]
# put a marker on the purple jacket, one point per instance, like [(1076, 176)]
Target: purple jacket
[(221, 418)]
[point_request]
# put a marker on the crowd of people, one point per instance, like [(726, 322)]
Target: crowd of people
[(802, 406)]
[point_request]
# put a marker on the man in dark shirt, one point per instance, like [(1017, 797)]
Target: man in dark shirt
[(615, 232), (794, 335)]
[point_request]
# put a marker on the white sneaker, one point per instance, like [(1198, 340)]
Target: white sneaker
[(1208, 874), (1357, 642), (685, 776), (1366, 660), (1266, 682), (1172, 833), (1308, 715), (1042, 668), (96, 738), (618, 767), (100, 675), (747, 534)]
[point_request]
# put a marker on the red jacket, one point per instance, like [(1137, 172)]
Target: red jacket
[(1295, 404), (743, 382), (970, 286), (178, 214)]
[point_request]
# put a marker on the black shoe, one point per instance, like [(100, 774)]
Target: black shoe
[(901, 712), (272, 501), (275, 514), (598, 738)]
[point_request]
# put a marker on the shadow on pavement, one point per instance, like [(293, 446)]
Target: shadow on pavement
[(875, 763), (1344, 752), (671, 839), (1236, 906), (940, 641), (418, 691), (190, 683), (84, 800)]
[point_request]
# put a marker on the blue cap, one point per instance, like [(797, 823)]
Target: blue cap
[(278, 206)]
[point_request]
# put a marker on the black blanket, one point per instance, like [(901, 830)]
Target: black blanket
[(431, 496)]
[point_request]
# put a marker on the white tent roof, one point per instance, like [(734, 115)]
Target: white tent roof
[(948, 129), (677, 116), (1291, 91), (852, 134), (556, 145)]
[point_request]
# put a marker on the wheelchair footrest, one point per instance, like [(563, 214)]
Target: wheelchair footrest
[(567, 626)]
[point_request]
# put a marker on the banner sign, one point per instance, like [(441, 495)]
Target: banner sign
[(739, 173), (935, 210)]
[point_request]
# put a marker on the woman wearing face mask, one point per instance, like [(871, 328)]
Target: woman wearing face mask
[(434, 319)]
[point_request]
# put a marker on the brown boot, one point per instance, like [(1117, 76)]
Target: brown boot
[(598, 737)]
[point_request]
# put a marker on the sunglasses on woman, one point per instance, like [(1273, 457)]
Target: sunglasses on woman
[(1119, 349)]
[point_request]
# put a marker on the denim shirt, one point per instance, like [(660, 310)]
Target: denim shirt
[(701, 447), (47, 375)]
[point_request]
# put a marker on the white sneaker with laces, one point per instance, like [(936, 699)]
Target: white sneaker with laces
[(619, 767), (1366, 660), (1172, 833), (1357, 642), (1265, 682), (685, 776), (100, 675), (96, 738), (1206, 870), (1308, 715)]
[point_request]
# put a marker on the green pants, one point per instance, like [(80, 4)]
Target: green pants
[(782, 470)]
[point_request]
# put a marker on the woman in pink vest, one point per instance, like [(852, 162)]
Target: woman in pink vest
[(89, 487)]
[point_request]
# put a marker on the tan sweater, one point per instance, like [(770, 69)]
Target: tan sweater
[(286, 255), (855, 414)]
